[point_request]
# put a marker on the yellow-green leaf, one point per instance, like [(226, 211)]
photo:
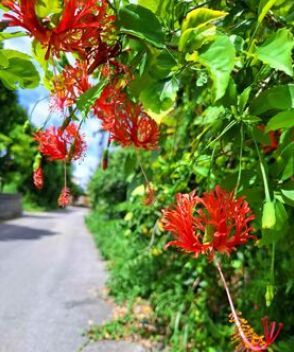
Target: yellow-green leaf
[(200, 17)]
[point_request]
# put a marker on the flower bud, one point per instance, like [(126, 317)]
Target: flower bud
[(268, 215)]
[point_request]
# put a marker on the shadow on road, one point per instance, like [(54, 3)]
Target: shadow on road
[(10, 232)]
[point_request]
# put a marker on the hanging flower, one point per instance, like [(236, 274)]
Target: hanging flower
[(38, 178), (69, 85), (83, 24), (125, 120), (254, 341), (215, 222), (64, 197), (59, 144)]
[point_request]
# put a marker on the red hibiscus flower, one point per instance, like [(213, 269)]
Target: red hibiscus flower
[(83, 25), (38, 178), (64, 197), (125, 120), (69, 85), (215, 222), (59, 144), (253, 341)]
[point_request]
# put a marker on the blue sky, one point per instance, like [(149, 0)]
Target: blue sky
[(82, 169)]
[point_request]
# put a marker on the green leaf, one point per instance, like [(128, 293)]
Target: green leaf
[(219, 59), (288, 157), (19, 72), (4, 61), (4, 36), (46, 8), (243, 98), (200, 17), (141, 23), (87, 99), (159, 95), (288, 193), (152, 5), (160, 8), (162, 65), (194, 38), (197, 28), (277, 51), (276, 98), (284, 119), (264, 7)]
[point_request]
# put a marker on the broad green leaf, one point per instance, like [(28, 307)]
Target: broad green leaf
[(4, 61), (264, 7), (200, 17), (194, 38), (284, 119), (4, 35), (288, 193), (219, 58), (152, 5), (276, 98), (19, 72), (210, 115), (162, 64), (277, 51), (288, 157), (14, 53), (140, 22), (158, 96), (45, 8), (160, 8), (87, 99)]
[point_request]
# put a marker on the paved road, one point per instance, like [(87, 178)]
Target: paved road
[(50, 285)]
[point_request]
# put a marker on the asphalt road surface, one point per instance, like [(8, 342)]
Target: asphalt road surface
[(51, 282)]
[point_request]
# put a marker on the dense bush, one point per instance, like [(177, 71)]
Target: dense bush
[(222, 92), (188, 299)]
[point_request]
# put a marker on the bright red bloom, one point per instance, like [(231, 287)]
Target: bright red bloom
[(58, 144), (125, 120), (70, 84), (81, 25), (258, 343), (215, 222), (64, 197), (38, 178)]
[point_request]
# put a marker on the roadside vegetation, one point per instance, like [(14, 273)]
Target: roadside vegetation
[(193, 206)]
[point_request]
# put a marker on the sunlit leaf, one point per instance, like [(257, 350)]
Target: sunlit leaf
[(219, 58), (45, 8), (4, 35), (277, 51), (140, 22), (275, 98), (284, 119), (19, 71), (200, 17)]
